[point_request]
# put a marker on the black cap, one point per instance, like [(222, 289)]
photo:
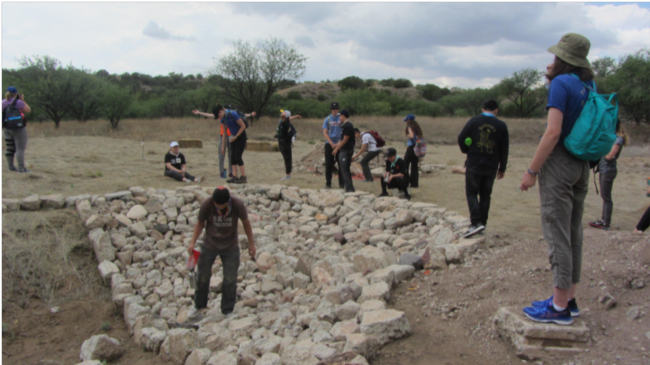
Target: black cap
[(391, 152), (345, 112), (221, 195), (356, 130), (228, 106), (334, 105)]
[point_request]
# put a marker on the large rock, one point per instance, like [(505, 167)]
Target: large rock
[(403, 218), (385, 325), (11, 204), (102, 245), (300, 353), (370, 258), (31, 203), (291, 195), (182, 342), (100, 347), (198, 357), (137, 212), (152, 339), (326, 198), (269, 358), (55, 201), (106, 270), (376, 291)]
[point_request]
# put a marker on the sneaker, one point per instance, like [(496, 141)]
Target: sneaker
[(573, 306), (193, 312), (188, 181), (286, 177), (383, 194), (473, 230), (327, 186), (548, 314), (599, 224), (242, 180), (407, 196), (12, 169), (198, 179), (224, 174), (232, 180), (23, 170)]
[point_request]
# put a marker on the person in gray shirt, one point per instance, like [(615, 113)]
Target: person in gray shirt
[(607, 169)]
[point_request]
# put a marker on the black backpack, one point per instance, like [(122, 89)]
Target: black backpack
[(242, 116), (12, 117), (292, 131)]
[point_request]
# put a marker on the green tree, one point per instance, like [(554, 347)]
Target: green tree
[(523, 91), (351, 83), (89, 91), (116, 102), (402, 83), (432, 92), (252, 74), (632, 83), (294, 95), (604, 67)]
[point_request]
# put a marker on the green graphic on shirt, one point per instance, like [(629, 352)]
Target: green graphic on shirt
[(485, 143)]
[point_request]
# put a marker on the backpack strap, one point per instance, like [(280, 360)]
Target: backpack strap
[(583, 83)]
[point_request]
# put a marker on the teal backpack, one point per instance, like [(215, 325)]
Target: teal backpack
[(594, 133)]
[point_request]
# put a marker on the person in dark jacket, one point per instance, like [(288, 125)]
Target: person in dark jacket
[(396, 175), (485, 141), (345, 150), (285, 138)]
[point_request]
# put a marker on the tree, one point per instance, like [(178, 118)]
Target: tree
[(432, 92), (116, 102), (632, 82), (522, 92), (604, 67), (402, 83), (252, 74), (89, 88), (351, 83)]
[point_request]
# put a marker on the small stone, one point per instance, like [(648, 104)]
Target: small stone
[(137, 212), (106, 270), (634, 313)]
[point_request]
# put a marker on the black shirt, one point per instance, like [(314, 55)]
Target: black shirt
[(284, 130), (399, 167), (490, 143), (348, 130), (176, 161)]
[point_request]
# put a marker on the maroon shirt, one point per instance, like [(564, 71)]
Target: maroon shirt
[(221, 227)]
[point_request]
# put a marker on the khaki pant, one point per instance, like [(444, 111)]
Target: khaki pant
[(563, 186)]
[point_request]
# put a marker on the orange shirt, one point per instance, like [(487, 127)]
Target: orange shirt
[(227, 130)]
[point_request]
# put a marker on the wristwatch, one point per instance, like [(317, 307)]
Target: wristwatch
[(534, 173)]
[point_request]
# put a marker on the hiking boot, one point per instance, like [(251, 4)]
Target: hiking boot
[(193, 312), (548, 314), (473, 230), (407, 196), (383, 194), (242, 180), (573, 306), (233, 180)]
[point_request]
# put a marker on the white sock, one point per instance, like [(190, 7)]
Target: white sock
[(558, 308)]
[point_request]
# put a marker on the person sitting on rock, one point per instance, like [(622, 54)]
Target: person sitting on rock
[(395, 177), (219, 215), (175, 165)]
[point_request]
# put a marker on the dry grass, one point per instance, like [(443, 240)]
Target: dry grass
[(37, 249)]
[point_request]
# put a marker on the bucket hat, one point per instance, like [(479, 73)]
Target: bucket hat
[(573, 49)]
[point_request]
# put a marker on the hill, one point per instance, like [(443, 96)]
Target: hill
[(329, 90)]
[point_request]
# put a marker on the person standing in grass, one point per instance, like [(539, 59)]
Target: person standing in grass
[(485, 141), (175, 165), (15, 139), (285, 133), (395, 175), (219, 215), (368, 143), (608, 171), (222, 170), (413, 131), (345, 149), (563, 178), (332, 128)]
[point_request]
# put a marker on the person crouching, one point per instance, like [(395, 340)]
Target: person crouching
[(175, 165), (394, 176)]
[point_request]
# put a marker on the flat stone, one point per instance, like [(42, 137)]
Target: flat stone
[(182, 342), (101, 242), (119, 195), (138, 229), (31, 203), (12, 205), (55, 201), (385, 325), (324, 199), (123, 221), (541, 341)]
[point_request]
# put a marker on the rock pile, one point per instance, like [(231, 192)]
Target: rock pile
[(315, 293)]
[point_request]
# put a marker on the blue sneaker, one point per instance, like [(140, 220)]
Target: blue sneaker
[(573, 306), (548, 314)]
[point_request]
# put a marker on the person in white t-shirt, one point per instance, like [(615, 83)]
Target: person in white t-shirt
[(369, 144)]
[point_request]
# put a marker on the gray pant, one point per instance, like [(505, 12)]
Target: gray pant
[(606, 185), (223, 157), (364, 164), (563, 186), (16, 142), (345, 161)]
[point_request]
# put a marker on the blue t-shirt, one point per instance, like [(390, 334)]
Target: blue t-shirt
[(568, 94), (230, 120), (334, 128), (411, 141)]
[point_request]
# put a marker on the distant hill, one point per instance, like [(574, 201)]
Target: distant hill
[(329, 90)]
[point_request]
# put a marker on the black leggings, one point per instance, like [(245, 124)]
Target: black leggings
[(178, 176), (237, 150), (411, 159), (644, 223), (285, 149)]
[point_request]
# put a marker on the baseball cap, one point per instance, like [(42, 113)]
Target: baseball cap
[(345, 112), (221, 195), (334, 105), (287, 113), (173, 144), (12, 89), (409, 117), (391, 152)]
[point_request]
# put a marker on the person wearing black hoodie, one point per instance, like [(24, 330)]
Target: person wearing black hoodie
[(485, 140)]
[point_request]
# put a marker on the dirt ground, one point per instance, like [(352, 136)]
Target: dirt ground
[(512, 271)]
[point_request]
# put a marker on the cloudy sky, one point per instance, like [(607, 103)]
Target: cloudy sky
[(450, 44)]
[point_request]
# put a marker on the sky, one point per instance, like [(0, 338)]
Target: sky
[(464, 45)]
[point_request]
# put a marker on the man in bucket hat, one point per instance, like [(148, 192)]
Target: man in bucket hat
[(219, 215)]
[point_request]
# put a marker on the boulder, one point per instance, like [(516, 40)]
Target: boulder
[(55, 201), (182, 342), (385, 325), (12, 205), (153, 206), (139, 230), (100, 347), (299, 353), (106, 270), (102, 245), (152, 339), (403, 218), (269, 358), (414, 260), (291, 195), (222, 358), (199, 357), (370, 258), (31, 203)]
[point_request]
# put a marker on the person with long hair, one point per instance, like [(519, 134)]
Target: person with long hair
[(412, 131), (15, 138), (607, 169), (563, 178)]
